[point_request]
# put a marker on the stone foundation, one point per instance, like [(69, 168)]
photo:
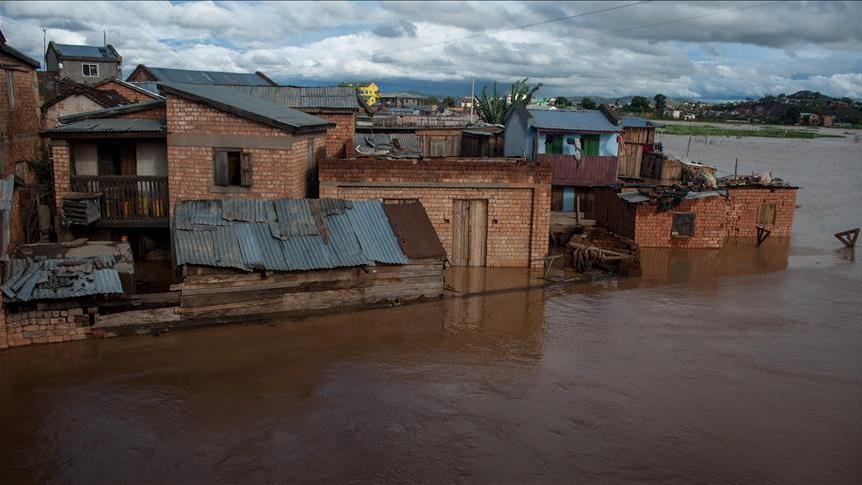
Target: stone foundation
[(43, 326)]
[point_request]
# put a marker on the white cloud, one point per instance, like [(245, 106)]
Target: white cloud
[(778, 48)]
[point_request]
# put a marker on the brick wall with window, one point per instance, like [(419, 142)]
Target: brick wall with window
[(209, 150), (753, 206), (518, 198)]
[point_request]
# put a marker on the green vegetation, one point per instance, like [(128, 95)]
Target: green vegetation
[(495, 109), (766, 131)]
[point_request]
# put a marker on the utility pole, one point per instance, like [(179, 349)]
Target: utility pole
[(472, 100), (45, 46)]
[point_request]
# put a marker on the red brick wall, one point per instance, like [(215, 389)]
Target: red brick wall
[(126, 92), (60, 154), (745, 202), (653, 228), (518, 195), (43, 326), (276, 173), (19, 128), (344, 133)]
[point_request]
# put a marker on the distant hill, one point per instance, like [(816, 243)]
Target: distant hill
[(787, 108)]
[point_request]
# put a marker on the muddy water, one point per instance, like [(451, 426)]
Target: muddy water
[(741, 366)]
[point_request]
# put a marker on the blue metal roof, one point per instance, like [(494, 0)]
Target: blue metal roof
[(207, 77), (284, 234), (637, 122), (98, 53), (592, 120), (232, 100), (59, 279)]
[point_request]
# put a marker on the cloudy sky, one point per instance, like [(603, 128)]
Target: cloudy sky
[(705, 50)]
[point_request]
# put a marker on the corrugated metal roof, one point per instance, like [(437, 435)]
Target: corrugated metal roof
[(58, 279), (394, 144), (207, 77), (13, 52), (331, 97), (233, 100), (86, 51), (112, 125), (633, 197), (705, 194), (114, 111), (414, 230), (637, 122), (592, 120), (374, 232), (284, 234), (152, 87)]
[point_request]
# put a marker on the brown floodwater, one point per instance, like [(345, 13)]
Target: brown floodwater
[(742, 365)]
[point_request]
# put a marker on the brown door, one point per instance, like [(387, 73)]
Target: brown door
[(469, 232)]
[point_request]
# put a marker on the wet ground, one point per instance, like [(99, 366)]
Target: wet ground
[(735, 366)]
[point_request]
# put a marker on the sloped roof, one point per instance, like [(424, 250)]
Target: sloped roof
[(232, 100), (113, 111), (59, 279), (188, 76), (637, 122), (15, 53), (154, 93), (330, 97), (86, 52), (588, 120), (105, 98), (286, 234), (110, 125)]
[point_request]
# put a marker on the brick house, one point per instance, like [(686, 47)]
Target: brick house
[(691, 219), (581, 146), (19, 103), (199, 142), (487, 211), (83, 63)]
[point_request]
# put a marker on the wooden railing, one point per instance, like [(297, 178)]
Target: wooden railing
[(127, 197)]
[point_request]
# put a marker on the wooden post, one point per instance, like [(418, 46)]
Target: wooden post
[(762, 234), (736, 167), (848, 237)]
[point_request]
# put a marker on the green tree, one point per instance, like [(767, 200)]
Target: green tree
[(432, 100), (495, 109), (562, 102), (449, 101), (660, 104), (588, 103), (639, 104)]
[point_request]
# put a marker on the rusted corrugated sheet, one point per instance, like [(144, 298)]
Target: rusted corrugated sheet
[(60, 279), (589, 170), (414, 231)]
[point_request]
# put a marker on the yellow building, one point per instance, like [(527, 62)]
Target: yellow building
[(369, 92)]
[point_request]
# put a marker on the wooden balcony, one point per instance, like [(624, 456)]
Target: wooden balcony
[(128, 201), (589, 170)]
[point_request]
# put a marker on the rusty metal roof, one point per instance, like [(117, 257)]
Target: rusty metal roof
[(284, 234), (414, 230), (60, 279)]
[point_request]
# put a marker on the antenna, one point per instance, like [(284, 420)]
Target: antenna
[(45, 46), (105, 38)]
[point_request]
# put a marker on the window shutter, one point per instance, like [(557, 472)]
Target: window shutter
[(245, 170), (220, 167)]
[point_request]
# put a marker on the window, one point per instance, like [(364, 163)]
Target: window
[(553, 144), (766, 214), (232, 167), (590, 144), (683, 224), (90, 70)]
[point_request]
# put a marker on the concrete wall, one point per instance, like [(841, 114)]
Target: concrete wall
[(152, 158), (73, 70), (280, 160), (76, 103), (518, 195), (515, 142)]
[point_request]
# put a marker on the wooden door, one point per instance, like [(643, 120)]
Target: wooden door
[(469, 232)]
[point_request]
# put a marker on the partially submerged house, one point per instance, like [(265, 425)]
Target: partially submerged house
[(581, 146), (486, 211), (87, 64), (689, 217), (136, 162), (247, 257)]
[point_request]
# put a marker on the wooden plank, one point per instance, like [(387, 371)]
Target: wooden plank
[(460, 217), (478, 232)]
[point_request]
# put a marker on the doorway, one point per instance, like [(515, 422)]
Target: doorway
[(469, 232)]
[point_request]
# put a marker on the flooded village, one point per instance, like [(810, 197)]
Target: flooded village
[(336, 284)]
